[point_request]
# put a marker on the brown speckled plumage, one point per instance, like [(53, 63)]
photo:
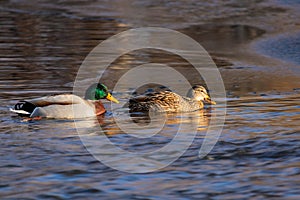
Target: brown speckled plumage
[(171, 102)]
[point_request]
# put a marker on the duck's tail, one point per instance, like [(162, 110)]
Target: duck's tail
[(23, 108)]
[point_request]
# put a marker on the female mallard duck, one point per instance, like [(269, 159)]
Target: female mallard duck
[(171, 102), (66, 105)]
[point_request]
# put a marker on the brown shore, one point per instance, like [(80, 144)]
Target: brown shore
[(227, 30)]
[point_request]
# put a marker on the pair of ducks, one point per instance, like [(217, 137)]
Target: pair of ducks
[(72, 106)]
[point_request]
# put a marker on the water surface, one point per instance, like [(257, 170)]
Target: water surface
[(257, 156)]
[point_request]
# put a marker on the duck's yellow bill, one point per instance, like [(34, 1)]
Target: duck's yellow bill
[(209, 101), (212, 102), (111, 98)]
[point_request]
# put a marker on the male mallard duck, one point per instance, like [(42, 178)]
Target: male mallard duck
[(66, 105), (171, 102)]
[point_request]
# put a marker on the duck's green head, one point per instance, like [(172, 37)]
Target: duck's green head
[(99, 91)]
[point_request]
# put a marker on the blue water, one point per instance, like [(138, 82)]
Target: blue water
[(257, 156), (285, 47)]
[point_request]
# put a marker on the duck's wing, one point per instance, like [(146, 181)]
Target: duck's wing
[(167, 101), (61, 99), (57, 106), (70, 111)]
